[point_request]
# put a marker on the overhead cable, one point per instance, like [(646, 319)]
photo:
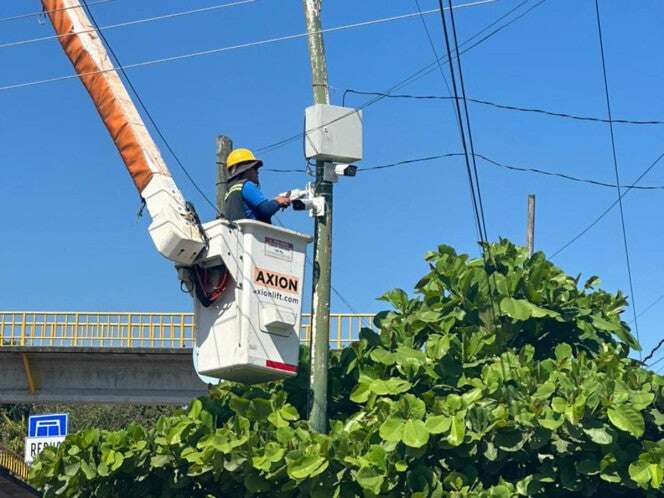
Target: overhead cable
[(650, 306), (433, 48), (343, 300), (625, 192), (469, 150), (653, 351), (410, 161), (616, 170), (577, 117), (660, 359), (488, 160), (378, 167), (148, 114), (469, 43), (128, 23), (471, 172), (462, 131), (42, 12), (481, 40), (229, 48), (266, 149), (566, 176), (462, 86)]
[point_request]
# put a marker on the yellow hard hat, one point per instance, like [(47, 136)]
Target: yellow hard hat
[(239, 161), (239, 156)]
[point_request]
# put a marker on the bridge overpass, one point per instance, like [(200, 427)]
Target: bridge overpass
[(98, 357)]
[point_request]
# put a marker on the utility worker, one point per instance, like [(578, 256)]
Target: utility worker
[(243, 199)]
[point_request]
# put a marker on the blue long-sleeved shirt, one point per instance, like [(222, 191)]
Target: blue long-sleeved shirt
[(256, 205)]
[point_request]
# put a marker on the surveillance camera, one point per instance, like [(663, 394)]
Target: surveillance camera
[(306, 199), (300, 204), (332, 171), (315, 205), (345, 170)]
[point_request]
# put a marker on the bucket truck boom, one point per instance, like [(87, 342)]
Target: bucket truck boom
[(174, 229)]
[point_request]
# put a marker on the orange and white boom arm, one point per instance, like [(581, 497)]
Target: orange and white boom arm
[(174, 229)]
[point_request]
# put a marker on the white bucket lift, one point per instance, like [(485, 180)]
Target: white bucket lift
[(250, 333)]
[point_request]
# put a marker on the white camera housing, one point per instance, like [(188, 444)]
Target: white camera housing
[(306, 200), (332, 172)]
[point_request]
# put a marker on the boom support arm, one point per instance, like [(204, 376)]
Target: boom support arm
[(174, 228)]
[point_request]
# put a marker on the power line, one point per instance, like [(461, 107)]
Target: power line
[(462, 132), (609, 208), (650, 306), (423, 71), (431, 67), (577, 117), (615, 168), (493, 162), (411, 161), (277, 170), (475, 193), (653, 351), (228, 48), (433, 48), (565, 176), (42, 12), (467, 116), (381, 166), (566, 115), (128, 23), (147, 112), (473, 177), (661, 358), (343, 299)]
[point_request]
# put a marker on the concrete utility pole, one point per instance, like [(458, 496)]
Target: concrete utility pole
[(530, 231), (322, 272), (224, 147)]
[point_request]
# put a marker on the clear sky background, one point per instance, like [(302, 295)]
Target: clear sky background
[(70, 237)]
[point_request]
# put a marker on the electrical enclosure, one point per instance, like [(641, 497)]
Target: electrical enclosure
[(333, 133), (251, 333)]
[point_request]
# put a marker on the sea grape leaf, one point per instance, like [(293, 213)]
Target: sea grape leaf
[(627, 419)]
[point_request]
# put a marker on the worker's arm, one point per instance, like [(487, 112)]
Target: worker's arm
[(261, 205)]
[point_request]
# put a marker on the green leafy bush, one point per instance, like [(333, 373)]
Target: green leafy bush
[(498, 380)]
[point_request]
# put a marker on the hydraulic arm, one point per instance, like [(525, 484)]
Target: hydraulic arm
[(174, 229)]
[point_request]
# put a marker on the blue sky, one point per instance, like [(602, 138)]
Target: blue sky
[(71, 240)]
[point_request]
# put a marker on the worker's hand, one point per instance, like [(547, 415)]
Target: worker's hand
[(283, 201)]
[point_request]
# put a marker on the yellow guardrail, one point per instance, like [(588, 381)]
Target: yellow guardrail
[(13, 463), (137, 330)]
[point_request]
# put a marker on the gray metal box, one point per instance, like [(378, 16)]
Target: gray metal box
[(333, 133)]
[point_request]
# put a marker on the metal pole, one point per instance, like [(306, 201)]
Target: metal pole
[(224, 147), (530, 232), (322, 271)]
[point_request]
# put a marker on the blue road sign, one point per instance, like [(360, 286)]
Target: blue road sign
[(55, 424)]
